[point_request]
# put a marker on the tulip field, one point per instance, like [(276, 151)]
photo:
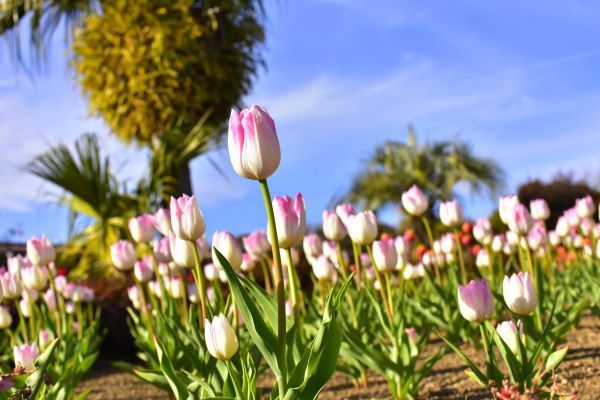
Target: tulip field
[(237, 319)]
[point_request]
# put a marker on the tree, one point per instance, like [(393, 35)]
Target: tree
[(436, 168), (153, 67)]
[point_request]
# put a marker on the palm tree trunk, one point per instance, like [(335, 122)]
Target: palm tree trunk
[(184, 180)]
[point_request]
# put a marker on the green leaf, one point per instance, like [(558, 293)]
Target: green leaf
[(475, 372), (177, 386), (556, 358)]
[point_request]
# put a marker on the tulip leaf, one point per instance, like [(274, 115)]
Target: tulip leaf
[(514, 367), (258, 328), (476, 373), (556, 358), (177, 387), (36, 379)]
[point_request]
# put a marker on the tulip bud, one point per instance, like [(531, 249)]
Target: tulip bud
[(585, 207), (519, 220), (17, 263), (123, 255), (475, 301), (519, 293), (142, 269), (505, 207), (498, 243), (414, 201), (211, 272), (248, 263), (187, 220), (412, 334), (25, 356), (539, 210), (482, 259), (162, 221), (221, 341), (182, 250), (134, 295), (11, 287), (572, 217), (290, 220), (256, 244), (323, 269), (507, 330), (411, 271), (312, 245), (50, 299), (5, 318), (228, 246), (333, 227), (142, 228), (175, 287), (385, 255), (35, 277), (162, 250), (362, 227), (253, 144), (344, 211), (562, 227), (40, 251), (536, 238), (450, 213), (448, 243), (482, 231), (45, 337)]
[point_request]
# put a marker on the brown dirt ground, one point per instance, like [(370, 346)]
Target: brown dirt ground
[(580, 372)]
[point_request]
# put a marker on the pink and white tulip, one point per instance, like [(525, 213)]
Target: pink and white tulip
[(257, 244), (333, 227), (123, 255), (221, 341), (290, 220), (228, 246), (539, 210), (519, 220), (475, 301), (40, 251), (25, 356), (385, 255), (505, 207), (362, 227), (585, 207), (450, 213), (187, 220), (519, 293), (162, 221), (414, 201), (142, 270), (141, 228)]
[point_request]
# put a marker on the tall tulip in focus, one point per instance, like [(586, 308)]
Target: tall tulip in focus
[(255, 154), (519, 293), (475, 301)]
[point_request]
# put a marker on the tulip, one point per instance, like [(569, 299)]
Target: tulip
[(312, 245), (221, 340), (323, 269), (256, 244), (284, 257), (50, 299), (475, 301), (573, 218), (25, 356), (585, 207), (539, 209), (40, 251), (187, 220), (135, 296), (11, 286), (141, 228), (162, 250), (175, 288), (519, 220), (228, 246), (562, 227), (60, 282), (482, 259), (142, 270), (519, 293), (35, 277), (482, 231), (402, 246), (162, 221), (507, 330), (448, 243), (253, 144), (17, 263), (123, 255), (25, 305), (248, 263), (290, 220), (536, 238), (553, 238), (498, 243), (362, 227), (333, 227), (412, 334), (450, 213), (411, 271), (344, 211), (505, 207), (88, 294), (44, 338), (385, 255), (414, 201), (182, 250), (5, 318)]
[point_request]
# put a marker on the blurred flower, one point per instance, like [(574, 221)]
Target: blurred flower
[(11, 287), (519, 220), (256, 244), (253, 144), (562, 227), (290, 220), (229, 248), (411, 271), (539, 210), (450, 213), (17, 263), (35, 277), (482, 259), (344, 211), (572, 217), (211, 272), (505, 207), (40, 251), (5, 317), (221, 341), (135, 296), (162, 221), (585, 207), (362, 227), (25, 356), (45, 338), (385, 255), (519, 293), (536, 238), (182, 250), (187, 220), (141, 228), (475, 301), (412, 334), (482, 231), (143, 270), (448, 243), (322, 269), (498, 243), (162, 250), (414, 201), (123, 255), (248, 264), (312, 245), (333, 227), (50, 300)]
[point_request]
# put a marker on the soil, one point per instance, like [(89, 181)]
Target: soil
[(579, 373)]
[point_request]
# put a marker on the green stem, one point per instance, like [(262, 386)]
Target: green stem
[(356, 248), (266, 275), (57, 305), (22, 321), (293, 286), (459, 250), (381, 287), (201, 285), (279, 289), (428, 230)]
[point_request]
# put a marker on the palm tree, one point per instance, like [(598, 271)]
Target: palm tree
[(99, 207), (436, 168)]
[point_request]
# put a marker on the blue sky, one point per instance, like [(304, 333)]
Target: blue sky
[(519, 83)]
